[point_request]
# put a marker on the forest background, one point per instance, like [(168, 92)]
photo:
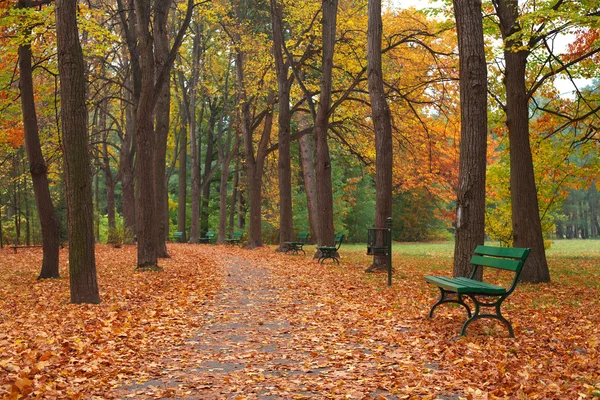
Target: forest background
[(207, 182)]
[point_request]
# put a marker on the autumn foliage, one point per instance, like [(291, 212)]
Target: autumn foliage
[(303, 329)]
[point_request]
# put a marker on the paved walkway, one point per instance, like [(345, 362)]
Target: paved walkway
[(256, 344)]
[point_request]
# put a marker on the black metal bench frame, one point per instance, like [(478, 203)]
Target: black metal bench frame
[(331, 251), (483, 295), (296, 246)]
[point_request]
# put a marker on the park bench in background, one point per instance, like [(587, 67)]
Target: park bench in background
[(331, 251), (176, 237), (24, 246), (235, 239), (454, 290), (296, 246), (208, 238)]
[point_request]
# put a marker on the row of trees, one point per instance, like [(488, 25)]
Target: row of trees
[(197, 104)]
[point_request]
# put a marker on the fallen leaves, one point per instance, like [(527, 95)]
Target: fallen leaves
[(227, 322)]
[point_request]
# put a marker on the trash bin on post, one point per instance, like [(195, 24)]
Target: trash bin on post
[(379, 243)]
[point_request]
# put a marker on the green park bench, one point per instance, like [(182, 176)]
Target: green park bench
[(235, 239), (208, 238), (454, 290), (176, 237), (296, 246), (331, 251)]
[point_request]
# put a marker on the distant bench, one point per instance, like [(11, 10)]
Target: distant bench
[(176, 237), (296, 246), (208, 238), (235, 239), (454, 289), (15, 247)]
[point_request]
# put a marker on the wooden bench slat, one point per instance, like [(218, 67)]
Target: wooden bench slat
[(502, 263), (465, 285), (510, 252)]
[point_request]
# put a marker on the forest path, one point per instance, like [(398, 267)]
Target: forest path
[(259, 341)]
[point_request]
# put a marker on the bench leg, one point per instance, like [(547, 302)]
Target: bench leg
[(449, 297), (497, 316), (326, 255)]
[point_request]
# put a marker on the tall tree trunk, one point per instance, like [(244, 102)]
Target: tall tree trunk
[(380, 112), (145, 139), (527, 226), (162, 114), (323, 160), (182, 190), (74, 120), (593, 204), (284, 83), (310, 187), (131, 94), (234, 195), (206, 176), (108, 176), (254, 164), (126, 168), (470, 203), (194, 145), (38, 169)]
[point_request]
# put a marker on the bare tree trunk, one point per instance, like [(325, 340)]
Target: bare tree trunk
[(194, 145), (126, 167), (323, 160), (110, 184), (74, 119), (182, 192), (310, 188), (131, 95), (527, 226), (593, 204), (470, 204), (162, 114), (284, 83), (382, 123), (254, 164), (206, 176), (234, 194), (38, 169), (145, 139)]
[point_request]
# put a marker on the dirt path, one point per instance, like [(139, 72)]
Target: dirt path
[(257, 344)]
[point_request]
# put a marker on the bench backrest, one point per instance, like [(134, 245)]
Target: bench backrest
[(507, 258), (302, 237), (337, 240), (237, 235), (177, 234)]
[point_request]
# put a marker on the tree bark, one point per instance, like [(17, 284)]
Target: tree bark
[(234, 195), (323, 160), (145, 140), (108, 176), (74, 120), (380, 113), (162, 119), (470, 203), (38, 169), (526, 223), (310, 187), (284, 169), (182, 184), (194, 145), (254, 164)]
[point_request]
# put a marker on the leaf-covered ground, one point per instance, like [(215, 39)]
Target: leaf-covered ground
[(222, 322)]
